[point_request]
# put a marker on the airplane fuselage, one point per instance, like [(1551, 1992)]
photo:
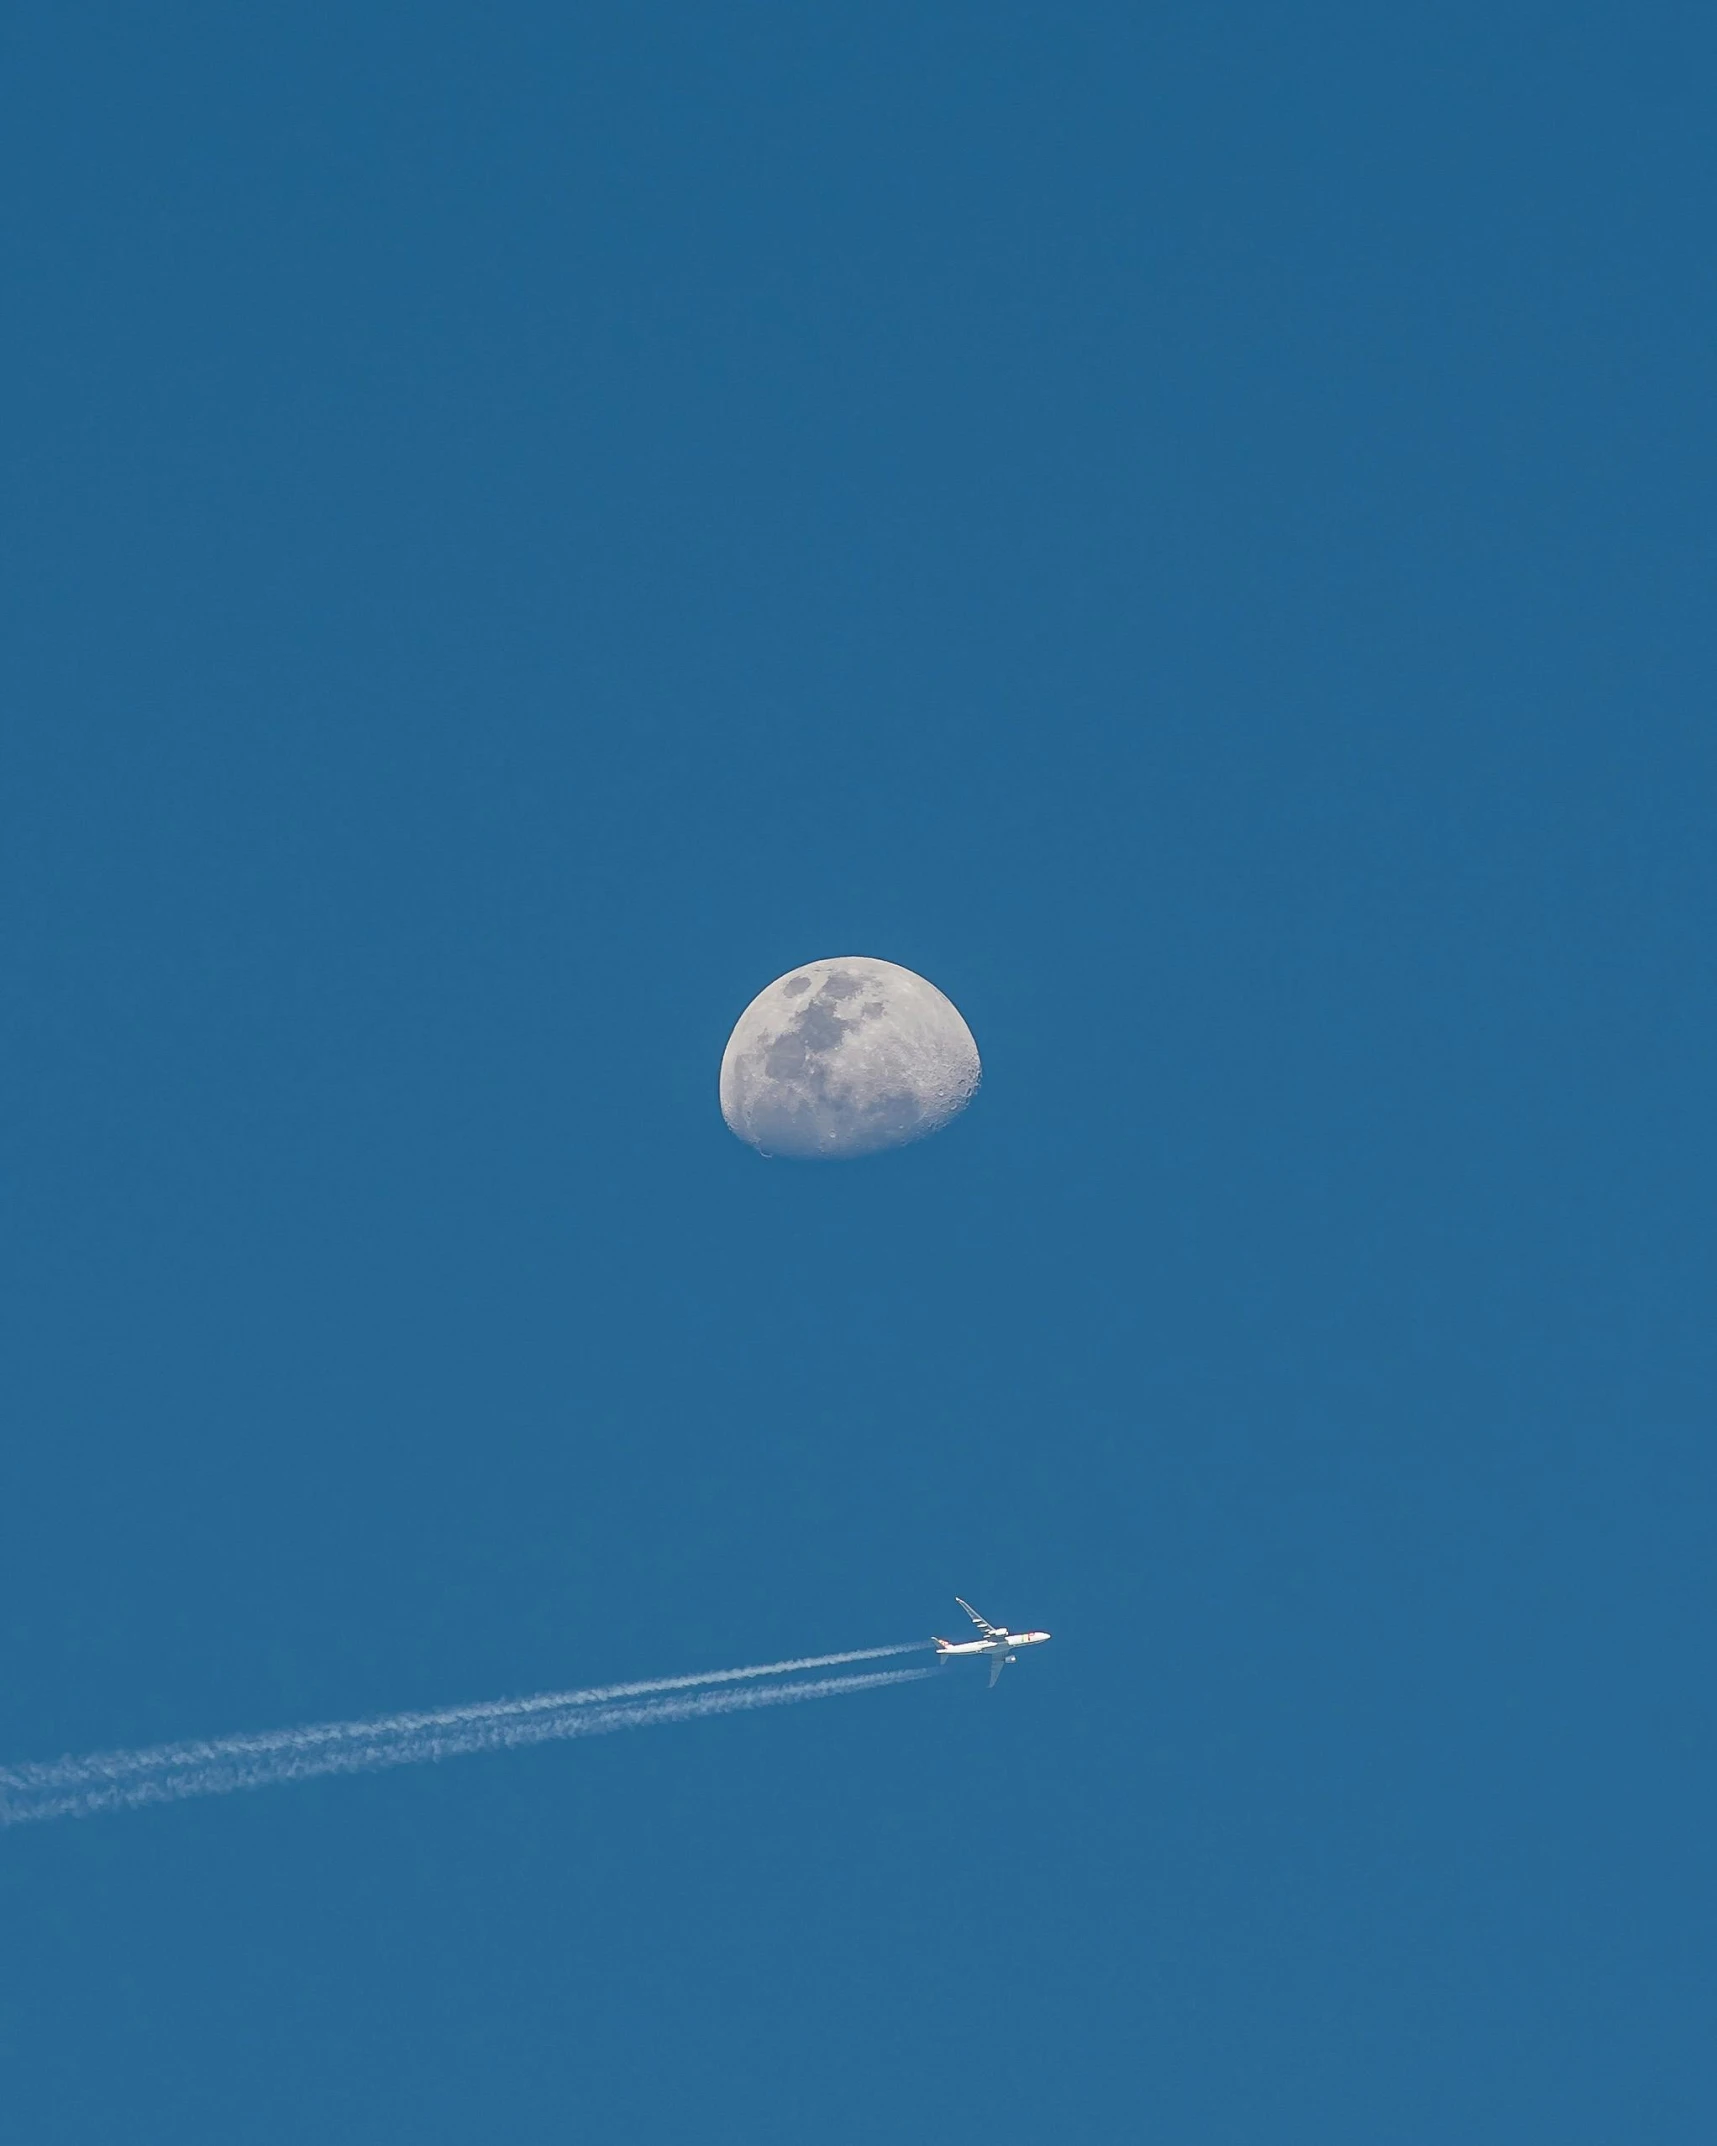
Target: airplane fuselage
[(1003, 1643)]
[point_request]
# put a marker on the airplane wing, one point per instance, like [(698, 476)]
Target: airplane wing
[(990, 1631), (998, 1662)]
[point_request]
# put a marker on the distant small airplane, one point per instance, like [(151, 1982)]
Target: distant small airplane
[(998, 1642)]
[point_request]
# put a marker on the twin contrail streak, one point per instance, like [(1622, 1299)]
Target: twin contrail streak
[(167, 1773)]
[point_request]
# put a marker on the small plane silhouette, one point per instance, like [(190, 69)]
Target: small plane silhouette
[(998, 1643)]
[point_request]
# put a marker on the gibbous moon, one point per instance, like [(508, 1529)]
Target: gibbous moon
[(844, 1057)]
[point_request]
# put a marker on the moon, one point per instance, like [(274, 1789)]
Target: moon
[(846, 1057)]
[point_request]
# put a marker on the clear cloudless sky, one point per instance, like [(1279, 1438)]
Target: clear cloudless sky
[(1189, 525)]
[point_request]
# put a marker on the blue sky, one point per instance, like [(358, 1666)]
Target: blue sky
[(1189, 527)]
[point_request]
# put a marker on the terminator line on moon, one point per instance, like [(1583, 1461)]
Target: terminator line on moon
[(845, 1057)]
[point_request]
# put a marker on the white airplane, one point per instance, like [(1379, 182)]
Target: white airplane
[(998, 1642)]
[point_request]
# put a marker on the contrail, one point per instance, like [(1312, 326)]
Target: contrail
[(168, 1773)]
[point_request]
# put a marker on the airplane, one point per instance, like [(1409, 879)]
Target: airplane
[(997, 1643)]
